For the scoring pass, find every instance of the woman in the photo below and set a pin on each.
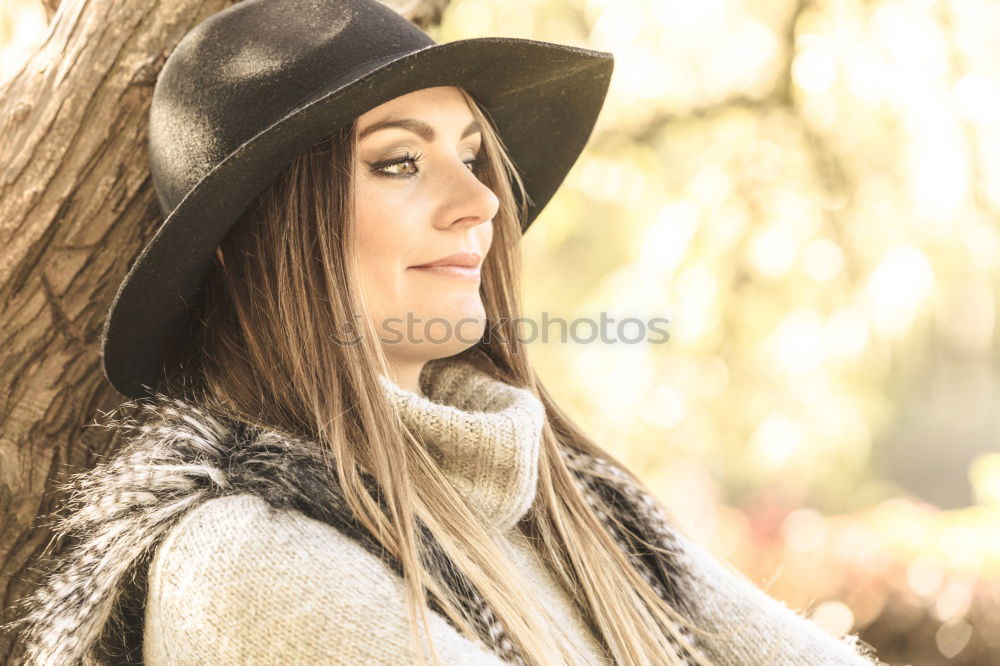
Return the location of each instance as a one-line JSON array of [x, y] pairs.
[[340, 452]]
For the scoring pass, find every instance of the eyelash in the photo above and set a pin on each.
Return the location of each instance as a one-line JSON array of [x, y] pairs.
[[416, 159]]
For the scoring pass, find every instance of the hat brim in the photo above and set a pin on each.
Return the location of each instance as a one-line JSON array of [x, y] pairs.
[[544, 98]]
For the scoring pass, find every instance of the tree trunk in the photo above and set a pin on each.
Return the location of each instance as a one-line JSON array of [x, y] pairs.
[[76, 206]]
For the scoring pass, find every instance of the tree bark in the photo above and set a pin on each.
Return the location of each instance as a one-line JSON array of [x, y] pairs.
[[76, 206]]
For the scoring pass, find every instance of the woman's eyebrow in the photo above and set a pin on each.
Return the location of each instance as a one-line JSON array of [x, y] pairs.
[[418, 127]]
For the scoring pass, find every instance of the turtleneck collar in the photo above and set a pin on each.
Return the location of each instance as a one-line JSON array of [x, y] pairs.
[[485, 434]]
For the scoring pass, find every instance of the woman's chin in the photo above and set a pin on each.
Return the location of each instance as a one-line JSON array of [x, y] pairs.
[[464, 329], [459, 322]]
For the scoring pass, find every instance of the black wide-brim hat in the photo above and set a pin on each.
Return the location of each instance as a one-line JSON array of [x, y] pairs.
[[252, 87]]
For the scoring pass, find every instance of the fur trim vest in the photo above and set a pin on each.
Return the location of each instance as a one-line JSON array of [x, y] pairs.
[[177, 456]]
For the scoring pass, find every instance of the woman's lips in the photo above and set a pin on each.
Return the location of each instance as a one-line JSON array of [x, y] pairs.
[[444, 270]]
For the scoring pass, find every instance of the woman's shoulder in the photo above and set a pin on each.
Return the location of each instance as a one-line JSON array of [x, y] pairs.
[[242, 535], [754, 626], [238, 581], [750, 626]]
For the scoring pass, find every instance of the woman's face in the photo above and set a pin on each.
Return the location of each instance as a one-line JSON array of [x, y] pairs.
[[419, 199]]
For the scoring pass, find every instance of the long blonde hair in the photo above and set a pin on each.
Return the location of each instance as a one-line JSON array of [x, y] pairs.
[[259, 350]]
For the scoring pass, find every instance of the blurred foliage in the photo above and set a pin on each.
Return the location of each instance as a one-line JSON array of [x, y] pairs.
[[809, 191], [22, 26]]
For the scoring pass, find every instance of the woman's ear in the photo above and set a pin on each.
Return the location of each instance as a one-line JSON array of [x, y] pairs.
[[218, 253]]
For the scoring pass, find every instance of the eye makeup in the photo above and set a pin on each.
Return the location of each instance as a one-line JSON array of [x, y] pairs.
[[416, 159]]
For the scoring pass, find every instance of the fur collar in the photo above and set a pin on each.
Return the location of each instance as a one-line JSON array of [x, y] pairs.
[[89, 608]]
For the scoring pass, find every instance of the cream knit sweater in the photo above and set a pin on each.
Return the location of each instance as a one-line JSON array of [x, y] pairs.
[[238, 582]]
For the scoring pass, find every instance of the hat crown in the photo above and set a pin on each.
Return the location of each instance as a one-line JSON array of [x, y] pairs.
[[241, 70]]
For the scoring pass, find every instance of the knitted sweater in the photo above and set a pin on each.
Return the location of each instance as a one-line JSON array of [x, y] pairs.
[[235, 580], [324, 598], [232, 565]]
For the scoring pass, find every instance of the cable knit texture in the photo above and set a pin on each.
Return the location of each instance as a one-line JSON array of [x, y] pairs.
[[256, 560], [484, 434]]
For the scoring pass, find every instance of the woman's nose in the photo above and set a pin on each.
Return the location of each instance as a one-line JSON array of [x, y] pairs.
[[471, 199]]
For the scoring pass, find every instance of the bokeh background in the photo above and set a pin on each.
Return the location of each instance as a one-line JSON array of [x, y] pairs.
[[810, 192]]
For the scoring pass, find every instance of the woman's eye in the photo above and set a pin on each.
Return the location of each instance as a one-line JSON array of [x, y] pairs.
[[473, 164], [405, 159]]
